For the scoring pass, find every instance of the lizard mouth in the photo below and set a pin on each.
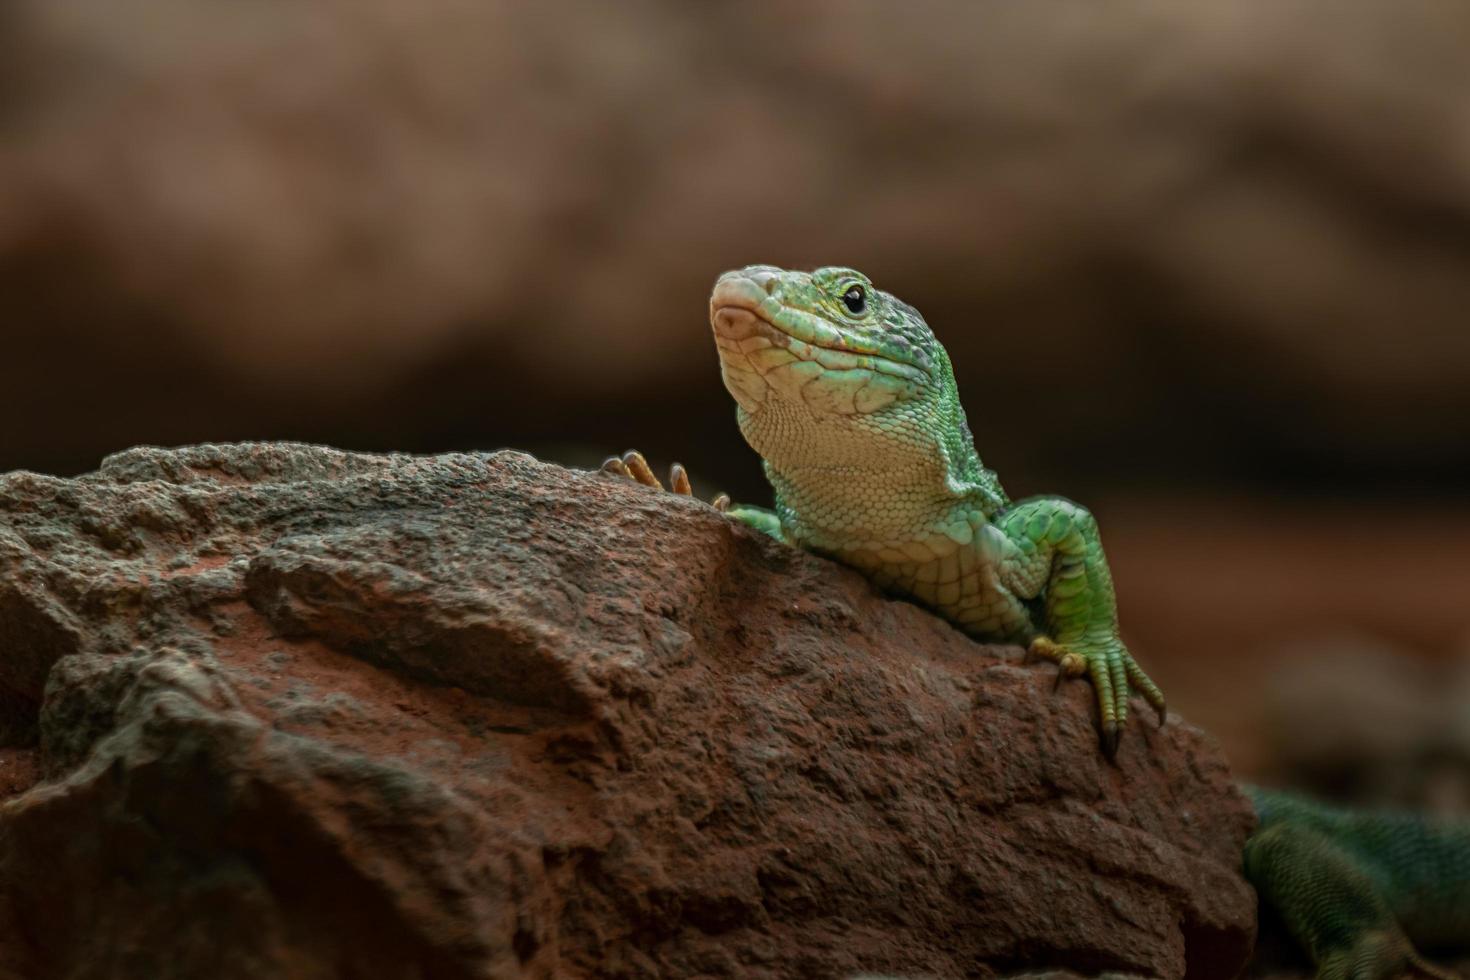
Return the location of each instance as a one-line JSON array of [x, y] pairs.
[[746, 319]]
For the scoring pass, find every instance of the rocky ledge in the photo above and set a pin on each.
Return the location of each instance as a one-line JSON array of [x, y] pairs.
[[276, 710]]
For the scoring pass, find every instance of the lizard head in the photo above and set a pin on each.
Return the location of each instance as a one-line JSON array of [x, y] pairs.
[[822, 364], [826, 339]]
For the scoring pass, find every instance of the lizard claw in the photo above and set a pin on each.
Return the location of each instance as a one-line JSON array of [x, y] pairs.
[[679, 481], [639, 469], [633, 465], [1114, 674], [615, 466]]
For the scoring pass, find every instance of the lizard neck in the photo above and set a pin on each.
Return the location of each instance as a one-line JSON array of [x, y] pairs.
[[842, 475], [847, 507], [847, 483], [863, 484]]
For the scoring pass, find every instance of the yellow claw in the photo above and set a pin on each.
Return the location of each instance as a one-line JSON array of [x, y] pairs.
[[639, 469], [633, 465]]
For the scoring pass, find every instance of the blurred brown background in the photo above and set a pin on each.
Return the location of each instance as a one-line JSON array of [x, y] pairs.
[[1205, 267]]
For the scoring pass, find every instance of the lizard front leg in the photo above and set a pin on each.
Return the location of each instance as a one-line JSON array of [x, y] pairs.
[[1051, 550], [633, 466]]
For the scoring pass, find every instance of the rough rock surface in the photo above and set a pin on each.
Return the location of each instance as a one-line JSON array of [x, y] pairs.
[[277, 710]]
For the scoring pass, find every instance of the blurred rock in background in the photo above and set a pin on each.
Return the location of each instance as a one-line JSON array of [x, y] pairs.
[[1178, 252], [1351, 718]]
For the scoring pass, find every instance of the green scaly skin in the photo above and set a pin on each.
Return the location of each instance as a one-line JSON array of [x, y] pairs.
[[851, 402], [1359, 889]]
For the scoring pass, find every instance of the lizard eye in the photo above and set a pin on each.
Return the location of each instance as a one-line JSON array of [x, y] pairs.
[[855, 299]]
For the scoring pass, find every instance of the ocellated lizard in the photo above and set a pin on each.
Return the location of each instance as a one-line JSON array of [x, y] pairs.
[[851, 402]]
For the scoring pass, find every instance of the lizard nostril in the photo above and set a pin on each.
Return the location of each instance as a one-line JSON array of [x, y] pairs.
[[767, 277]]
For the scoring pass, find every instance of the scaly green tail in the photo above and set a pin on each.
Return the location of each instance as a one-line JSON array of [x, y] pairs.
[[1359, 890]]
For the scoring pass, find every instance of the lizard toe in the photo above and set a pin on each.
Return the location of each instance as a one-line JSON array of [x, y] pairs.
[[1144, 685], [1115, 676], [633, 465], [615, 466], [639, 469]]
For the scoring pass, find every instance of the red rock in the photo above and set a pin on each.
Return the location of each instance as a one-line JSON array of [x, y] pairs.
[[314, 714]]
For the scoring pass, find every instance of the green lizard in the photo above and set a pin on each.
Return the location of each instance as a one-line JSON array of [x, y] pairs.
[[851, 402]]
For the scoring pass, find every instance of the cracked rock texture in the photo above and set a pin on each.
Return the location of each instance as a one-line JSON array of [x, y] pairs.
[[274, 710]]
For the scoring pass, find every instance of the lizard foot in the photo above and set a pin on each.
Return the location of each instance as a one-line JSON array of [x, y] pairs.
[[1306, 865], [1114, 675], [634, 466], [1380, 955]]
